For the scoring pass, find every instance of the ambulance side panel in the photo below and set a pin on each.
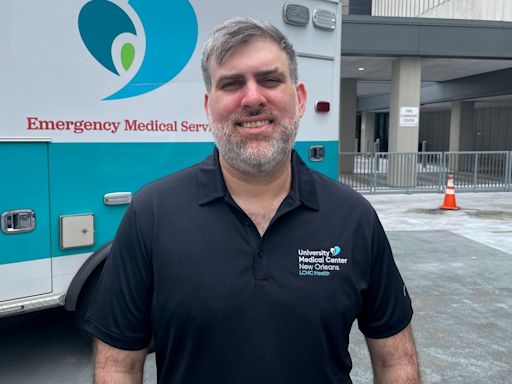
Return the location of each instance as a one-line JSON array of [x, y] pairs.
[[89, 112]]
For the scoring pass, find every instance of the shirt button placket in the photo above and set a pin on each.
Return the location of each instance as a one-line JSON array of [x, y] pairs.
[[260, 270]]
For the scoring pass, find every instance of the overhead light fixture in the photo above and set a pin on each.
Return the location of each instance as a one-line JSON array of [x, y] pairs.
[[360, 69]]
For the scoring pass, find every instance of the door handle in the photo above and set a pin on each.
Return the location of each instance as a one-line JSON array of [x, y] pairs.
[[18, 221]]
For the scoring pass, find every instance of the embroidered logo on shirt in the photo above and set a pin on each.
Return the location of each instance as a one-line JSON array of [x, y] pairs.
[[335, 250], [320, 262]]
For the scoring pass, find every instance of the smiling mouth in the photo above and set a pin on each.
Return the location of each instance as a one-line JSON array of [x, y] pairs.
[[254, 124]]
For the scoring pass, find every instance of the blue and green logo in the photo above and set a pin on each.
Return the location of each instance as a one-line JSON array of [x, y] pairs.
[[169, 33], [336, 250]]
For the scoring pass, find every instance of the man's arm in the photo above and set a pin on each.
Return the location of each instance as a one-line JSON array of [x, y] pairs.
[[394, 359], [117, 366]]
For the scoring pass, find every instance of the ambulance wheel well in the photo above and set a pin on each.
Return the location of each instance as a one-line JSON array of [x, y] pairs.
[[87, 274]]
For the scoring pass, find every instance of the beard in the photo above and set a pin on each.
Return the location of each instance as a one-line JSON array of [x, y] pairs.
[[256, 154]]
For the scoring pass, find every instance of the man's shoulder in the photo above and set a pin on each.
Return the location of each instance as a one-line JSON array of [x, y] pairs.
[[335, 192], [324, 192], [170, 186], [335, 189]]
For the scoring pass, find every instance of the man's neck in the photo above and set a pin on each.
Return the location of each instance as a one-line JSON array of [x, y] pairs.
[[258, 194], [265, 185]]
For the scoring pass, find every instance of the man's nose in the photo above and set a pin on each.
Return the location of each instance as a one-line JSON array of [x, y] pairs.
[[254, 95]]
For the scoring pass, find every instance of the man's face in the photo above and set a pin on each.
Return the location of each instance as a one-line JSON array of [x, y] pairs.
[[253, 106]]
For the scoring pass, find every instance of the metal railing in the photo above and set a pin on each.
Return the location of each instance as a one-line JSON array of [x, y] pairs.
[[413, 172]]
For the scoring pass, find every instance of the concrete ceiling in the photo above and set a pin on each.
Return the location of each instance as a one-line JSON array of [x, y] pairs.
[[375, 78], [442, 69], [450, 50]]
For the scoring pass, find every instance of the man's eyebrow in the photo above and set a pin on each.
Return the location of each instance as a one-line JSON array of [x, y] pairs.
[[260, 74], [271, 72], [229, 77], [233, 76]]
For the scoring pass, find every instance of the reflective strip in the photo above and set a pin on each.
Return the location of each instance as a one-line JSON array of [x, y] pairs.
[[31, 304]]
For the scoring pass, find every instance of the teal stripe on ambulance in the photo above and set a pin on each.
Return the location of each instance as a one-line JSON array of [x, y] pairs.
[[24, 185], [80, 174], [329, 166]]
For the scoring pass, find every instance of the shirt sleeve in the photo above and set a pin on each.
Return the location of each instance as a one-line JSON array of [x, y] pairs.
[[387, 306], [120, 315]]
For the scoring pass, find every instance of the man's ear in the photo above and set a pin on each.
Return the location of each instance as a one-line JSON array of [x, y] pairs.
[[302, 96], [206, 101]]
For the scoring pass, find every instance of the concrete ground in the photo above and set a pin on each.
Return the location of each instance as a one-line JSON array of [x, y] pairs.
[[483, 217], [457, 266]]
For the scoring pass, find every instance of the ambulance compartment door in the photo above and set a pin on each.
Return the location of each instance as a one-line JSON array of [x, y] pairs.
[[25, 263]]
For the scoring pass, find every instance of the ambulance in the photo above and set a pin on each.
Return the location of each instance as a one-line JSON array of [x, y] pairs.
[[100, 97]]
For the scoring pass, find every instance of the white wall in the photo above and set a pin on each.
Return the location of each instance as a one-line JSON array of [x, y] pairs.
[[499, 10]]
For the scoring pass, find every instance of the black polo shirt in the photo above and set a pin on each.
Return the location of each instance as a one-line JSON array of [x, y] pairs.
[[228, 306]]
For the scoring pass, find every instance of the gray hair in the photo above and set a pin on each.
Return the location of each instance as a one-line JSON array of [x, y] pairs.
[[236, 32]]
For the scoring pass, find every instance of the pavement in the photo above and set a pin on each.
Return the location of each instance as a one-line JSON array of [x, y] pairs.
[[485, 217], [457, 266]]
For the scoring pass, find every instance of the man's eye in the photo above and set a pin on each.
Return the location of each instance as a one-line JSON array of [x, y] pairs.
[[271, 82], [231, 85]]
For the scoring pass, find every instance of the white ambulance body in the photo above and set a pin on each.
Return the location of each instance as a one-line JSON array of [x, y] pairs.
[[98, 98]]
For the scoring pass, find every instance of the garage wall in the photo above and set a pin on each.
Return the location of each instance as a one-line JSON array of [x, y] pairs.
[[492, 130], [435, 129]]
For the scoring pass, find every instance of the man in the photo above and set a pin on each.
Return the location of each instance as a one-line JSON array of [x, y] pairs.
[[250, 267]]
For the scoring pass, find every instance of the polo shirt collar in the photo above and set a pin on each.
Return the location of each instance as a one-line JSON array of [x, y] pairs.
[[303, 187], [211, 184]]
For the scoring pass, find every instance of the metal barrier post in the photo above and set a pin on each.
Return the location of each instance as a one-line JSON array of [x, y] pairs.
[[442, 174], [440, 169], [374, 171], [508, 172], [408, 171], [376, 149], [423, 156], [475, 179]]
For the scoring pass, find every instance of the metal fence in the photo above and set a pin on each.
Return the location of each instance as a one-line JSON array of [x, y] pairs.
[[412, 172]]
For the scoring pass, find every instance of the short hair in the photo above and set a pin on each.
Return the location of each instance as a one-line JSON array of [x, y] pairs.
[[238, 31]]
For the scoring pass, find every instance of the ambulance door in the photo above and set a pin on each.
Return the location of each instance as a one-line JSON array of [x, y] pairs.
[[25, 263]]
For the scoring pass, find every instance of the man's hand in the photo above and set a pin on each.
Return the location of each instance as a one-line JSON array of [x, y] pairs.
[[394, 359], [112, 365]]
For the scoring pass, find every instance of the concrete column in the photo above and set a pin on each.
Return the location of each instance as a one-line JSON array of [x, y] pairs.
[[405, 93], [348, 102], [404, 120], [462, 120], [367, 131]]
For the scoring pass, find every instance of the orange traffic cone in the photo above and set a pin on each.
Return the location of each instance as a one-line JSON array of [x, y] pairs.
[[449, 196]]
